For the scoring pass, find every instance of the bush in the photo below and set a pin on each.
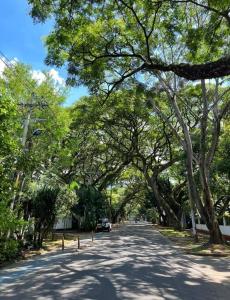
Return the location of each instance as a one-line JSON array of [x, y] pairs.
[[44, 213], [9, 249], [10, 224], [91, 205], [152, 215]]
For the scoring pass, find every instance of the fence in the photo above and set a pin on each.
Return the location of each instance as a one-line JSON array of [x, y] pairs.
[[225, 227], [65, 223]]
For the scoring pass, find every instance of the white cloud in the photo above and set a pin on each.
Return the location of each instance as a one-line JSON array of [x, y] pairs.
[[40, 76], [37, 75], [2, 67], [56, 77], [4, 63], [14, 61]]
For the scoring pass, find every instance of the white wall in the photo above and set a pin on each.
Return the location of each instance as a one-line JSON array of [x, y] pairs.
[[224, 229], [65, 223]]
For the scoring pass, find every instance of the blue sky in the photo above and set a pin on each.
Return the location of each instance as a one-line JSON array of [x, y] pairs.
[[22, 39]]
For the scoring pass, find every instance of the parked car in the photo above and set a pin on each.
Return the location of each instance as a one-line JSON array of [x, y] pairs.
[[103, 224]]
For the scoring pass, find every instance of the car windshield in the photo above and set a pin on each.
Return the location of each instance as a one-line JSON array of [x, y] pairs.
[[104, 220]]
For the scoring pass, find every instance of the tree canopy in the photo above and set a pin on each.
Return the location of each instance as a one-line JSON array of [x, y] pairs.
[[102, 43], [152, 138]]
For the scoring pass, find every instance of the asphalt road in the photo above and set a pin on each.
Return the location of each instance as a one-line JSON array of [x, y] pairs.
[[133, 262]]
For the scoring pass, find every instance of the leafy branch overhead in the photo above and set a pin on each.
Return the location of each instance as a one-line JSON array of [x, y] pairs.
[[105, 42]]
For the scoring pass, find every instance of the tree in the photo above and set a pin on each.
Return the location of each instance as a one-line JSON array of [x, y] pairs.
[[38, 108], [155, 142], [128, 190], [44, 212], [106, 42], [199, 135], [91, 206], [127, 133], [132, 126], [133, 39], [89, 159], [9, 144], [27, 109], [220, 183]]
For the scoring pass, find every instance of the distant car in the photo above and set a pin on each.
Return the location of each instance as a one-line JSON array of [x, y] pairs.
[[103, 224]]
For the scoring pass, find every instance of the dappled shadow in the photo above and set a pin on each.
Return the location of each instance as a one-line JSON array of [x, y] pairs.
[[134, 262]]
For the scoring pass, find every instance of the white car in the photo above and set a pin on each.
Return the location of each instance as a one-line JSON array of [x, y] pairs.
[[103, 224]]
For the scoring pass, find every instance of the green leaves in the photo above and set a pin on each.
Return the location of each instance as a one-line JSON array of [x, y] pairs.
[[73, 186], [101, 42]]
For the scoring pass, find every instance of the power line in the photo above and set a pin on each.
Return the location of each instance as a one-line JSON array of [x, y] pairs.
[[10, 66], [40, 104], [27, 83]]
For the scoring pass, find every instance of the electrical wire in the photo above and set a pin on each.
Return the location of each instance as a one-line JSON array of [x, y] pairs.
[[27, 83], [43, 104]]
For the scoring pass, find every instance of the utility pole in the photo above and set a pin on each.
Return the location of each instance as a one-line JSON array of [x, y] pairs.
[[31, 105], [24, 138], [26, 128], [28, 119], [26, 125]]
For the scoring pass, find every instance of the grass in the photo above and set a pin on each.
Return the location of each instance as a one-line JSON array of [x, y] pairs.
[[55, 243], [184, 240]]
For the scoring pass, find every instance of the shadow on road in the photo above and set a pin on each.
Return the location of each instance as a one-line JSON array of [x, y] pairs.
[[134, 262]]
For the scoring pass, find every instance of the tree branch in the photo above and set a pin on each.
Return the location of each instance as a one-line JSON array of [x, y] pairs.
[[218, 68]]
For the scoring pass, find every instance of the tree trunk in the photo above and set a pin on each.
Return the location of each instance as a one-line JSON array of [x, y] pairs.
[[120, 209], [204, 167], [214, 231], [211, 220], [206, 210], [173, 219]]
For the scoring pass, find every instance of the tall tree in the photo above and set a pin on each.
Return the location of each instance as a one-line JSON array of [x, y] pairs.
[[198, 110], [105, 42], [9, 144], [43, 122], [129, 133]]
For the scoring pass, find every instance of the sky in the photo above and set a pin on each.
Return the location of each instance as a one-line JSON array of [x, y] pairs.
[[21, 39]]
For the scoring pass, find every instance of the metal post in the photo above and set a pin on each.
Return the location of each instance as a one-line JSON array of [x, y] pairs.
[[92, 236], [63, 242], [78, 242], [194, 225], [26, 128], [110, 203]]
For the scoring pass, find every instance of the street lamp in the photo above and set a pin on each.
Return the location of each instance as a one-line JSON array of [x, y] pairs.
[[37, 132]]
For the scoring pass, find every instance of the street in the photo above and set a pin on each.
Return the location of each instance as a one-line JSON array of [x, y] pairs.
[[132, 262]]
